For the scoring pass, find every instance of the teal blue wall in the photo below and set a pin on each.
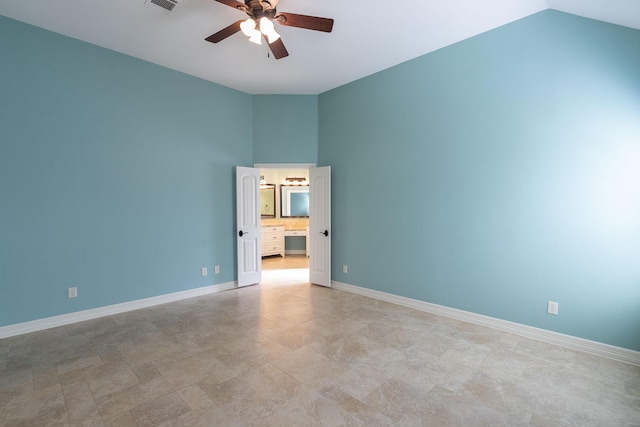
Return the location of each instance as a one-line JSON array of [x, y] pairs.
[[295, 243], [285, 128], [496, 174], [116, 176]]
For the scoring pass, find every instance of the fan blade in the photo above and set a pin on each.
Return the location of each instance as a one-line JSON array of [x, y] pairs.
[[278, 49], [224, 33], [233, 3], [304, 21]]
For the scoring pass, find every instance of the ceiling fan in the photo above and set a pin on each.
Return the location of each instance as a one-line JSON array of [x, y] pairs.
[[262, 14]]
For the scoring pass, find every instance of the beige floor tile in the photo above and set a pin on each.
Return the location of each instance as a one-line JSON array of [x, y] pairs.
[[312, 368], [505, 398], [110, 378], [162, 410], [80, 402], [395, 398], [117, 403], [92, 420], [152, 350], [42, 407], [257, 392], [263, 350], [311, 408], [17, 371], [123, 420], [181, 372], [145, 371], [359, 383], [45, 376]]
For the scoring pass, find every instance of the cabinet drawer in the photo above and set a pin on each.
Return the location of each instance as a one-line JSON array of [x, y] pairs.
[[271, 247]]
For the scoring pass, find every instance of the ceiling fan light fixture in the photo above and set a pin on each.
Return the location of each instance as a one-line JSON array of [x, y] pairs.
[[273, 37], [268, 29], [248, 27], [256, 37], [264, 12]]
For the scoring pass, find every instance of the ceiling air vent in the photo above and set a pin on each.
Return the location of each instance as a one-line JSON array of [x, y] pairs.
[[167, 5]]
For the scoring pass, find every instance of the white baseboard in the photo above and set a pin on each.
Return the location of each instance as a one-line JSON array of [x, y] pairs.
[[94, 313], [580, 344], [295, 252]]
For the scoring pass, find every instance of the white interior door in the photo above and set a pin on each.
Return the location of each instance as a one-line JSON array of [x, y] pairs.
[[320, 226], [248, 231]]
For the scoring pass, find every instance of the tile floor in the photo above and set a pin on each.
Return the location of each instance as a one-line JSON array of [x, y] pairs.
[[286, 353]]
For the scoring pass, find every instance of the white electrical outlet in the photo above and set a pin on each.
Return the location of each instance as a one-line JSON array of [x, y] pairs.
[[204, 271], [216, 269], [552, 307], [72, 292], [345, 269]]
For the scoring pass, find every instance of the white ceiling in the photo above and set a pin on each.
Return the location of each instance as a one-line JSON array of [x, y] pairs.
[[368, 36]]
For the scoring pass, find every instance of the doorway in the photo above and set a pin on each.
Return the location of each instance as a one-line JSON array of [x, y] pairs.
[[283, 204], [251, 246]]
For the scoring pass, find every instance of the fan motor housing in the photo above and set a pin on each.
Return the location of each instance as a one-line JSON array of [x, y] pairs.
[[271, 4], [259, 8]]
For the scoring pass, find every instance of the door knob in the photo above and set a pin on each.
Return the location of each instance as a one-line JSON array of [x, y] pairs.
[[325, 232], [242, 233]]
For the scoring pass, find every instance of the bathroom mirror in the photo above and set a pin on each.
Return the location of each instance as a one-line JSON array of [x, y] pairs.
[[294, 201], [268, 201]]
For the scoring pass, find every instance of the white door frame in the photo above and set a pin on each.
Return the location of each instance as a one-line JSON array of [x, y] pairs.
[[284, 165]]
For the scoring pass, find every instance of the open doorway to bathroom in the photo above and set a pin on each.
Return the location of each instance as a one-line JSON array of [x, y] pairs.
[[284, 198]]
